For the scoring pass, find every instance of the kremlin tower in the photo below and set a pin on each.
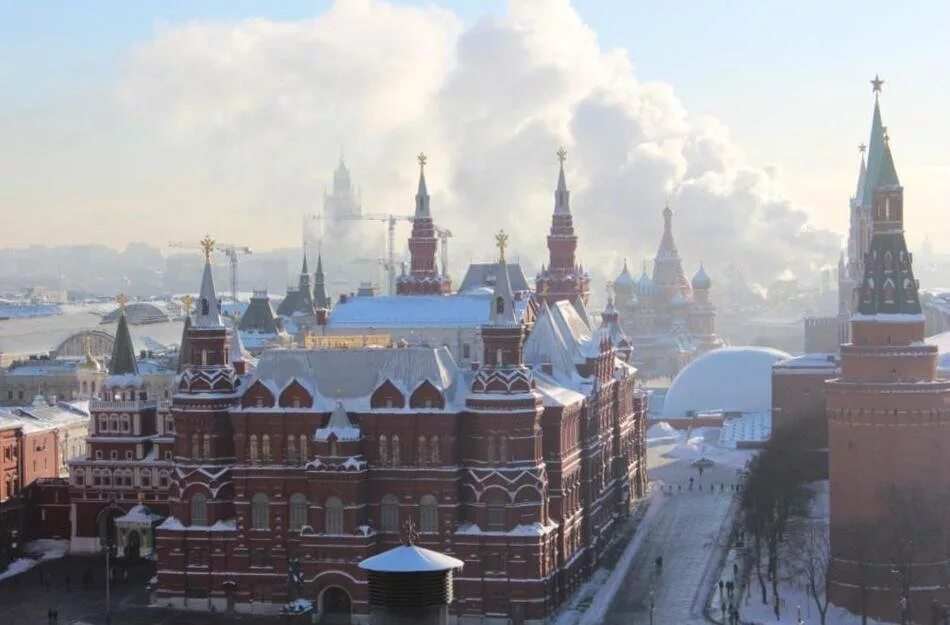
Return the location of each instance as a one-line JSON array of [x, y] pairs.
[[424, 277], [888, 424], [563, 278]]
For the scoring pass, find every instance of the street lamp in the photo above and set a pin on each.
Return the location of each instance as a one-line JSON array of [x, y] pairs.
[[652, 605]]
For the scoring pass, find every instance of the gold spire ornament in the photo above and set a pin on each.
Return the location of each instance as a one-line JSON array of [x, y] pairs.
[[501, 240], [422, 158], [186, 301], [122, 299], [561, 154], [207, 245], [862, 148]]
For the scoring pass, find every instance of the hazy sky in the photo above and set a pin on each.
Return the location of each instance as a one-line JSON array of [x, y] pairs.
[[162, 120]]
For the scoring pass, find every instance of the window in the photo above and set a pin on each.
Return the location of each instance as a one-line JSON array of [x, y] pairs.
[[428, 514], [146, 479], [503, 448], [114, 454], [298, 511], [334, 516], [128, 454], [291, 455], [98, 454], [421, 456], [163, 479], [207, 446], [195, 446], [265, 447], [466, 351], [106, 478], [383, 449], [491, 449], [103, 423], [303, 448], [395, 449], [168, 455], [252, 448], [80, 477], [260, 512], [199, 509], [434, 447], [389, 514]]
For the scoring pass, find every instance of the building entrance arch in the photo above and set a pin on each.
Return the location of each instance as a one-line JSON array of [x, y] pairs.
[[335, 606]]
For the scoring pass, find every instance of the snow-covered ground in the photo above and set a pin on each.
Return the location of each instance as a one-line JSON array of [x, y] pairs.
[[36, 551]]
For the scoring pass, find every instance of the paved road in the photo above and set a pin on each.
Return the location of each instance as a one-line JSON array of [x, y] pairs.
[[685, 531]]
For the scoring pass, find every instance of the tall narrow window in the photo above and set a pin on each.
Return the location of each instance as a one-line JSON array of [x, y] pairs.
[[334, 516], [490, 452], [436, 453], [304, 452], [207, 445], [195, 446], [199, 509], [389, 514], [503, 448], [428, 514], [333, 449], [265, 447], [260, 512], [291, 455], [496, 517], [298, 511], [252, 448], [395, 450], [421, 456], [383, 449]]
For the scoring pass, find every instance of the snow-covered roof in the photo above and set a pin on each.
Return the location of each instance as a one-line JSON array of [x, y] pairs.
[[731, 379], [417, 311], [808, 362], [339, 426], [942, 341], [410, 559], [351, 375], [139, 514], [482, 275]]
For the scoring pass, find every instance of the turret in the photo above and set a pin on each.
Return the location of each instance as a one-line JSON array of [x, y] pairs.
[[320, 297], [424, 277]]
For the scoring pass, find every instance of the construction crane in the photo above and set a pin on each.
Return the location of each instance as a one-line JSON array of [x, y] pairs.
[[230, 250]]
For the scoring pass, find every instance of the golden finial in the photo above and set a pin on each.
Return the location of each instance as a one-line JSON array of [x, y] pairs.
[[422, 159], [207, 244], [561, 155], [501, 240], [862, 148], [186, 301], [121, 299]]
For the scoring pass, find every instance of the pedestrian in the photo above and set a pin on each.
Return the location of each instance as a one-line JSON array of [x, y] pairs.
[[56, 617], [735, 565], [49, 616]]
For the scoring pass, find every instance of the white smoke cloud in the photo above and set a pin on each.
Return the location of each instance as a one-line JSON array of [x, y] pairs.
[[257, 111]]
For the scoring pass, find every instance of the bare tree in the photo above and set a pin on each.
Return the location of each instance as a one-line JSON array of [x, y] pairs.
[[812, 563]]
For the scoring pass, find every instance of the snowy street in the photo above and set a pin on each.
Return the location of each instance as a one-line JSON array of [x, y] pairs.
[[685, 532]]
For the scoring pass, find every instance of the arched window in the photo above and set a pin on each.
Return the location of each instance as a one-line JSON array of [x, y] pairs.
[[421, 456], [499, 305], [304, 452], [383, 449], [204, 305], [265, 447], [395, 450], [428, 514], [334, 516], [333, 449], [436, 453], [204, 357], [389, 514], [496, 520], [207, 445], [291, 455], [260, 512], [298, 511], [252, 448], [503, 448], [195, 446], [199, 509]]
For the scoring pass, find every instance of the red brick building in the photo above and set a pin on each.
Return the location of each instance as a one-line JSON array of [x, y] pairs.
[[798, 395], [128, 455], [889, 430], [519, 465], [424, 278]]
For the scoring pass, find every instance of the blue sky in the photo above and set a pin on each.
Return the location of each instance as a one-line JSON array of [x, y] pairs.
[[789, 79]]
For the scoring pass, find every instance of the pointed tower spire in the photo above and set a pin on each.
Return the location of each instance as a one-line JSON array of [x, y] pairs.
[[502, 307], [562, 197], [422, 194], [208, 314], [668, 272], [320, 297], [304, 269], [123, 353], [875, 148]]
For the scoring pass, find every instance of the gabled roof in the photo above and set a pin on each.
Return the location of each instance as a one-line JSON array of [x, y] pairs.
[[410, 559], [259, 316], [339, 425], [483, 275]]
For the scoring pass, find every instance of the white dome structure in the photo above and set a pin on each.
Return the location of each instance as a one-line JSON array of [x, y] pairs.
[[733, 379]]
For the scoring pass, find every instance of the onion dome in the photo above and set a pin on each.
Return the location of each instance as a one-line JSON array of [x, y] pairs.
[[645, 286], [625, 282], [701, 280]]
